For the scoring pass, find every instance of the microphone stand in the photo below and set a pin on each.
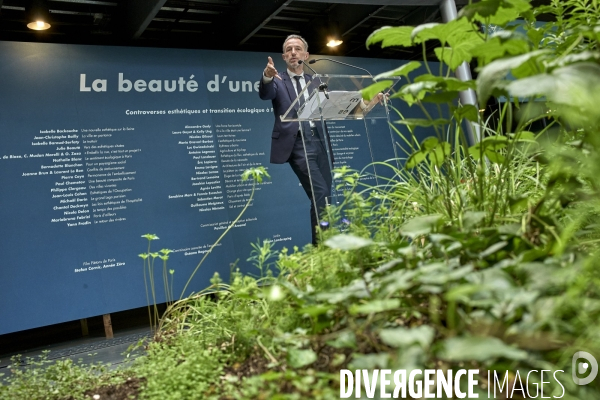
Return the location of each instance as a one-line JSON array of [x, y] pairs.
[[322, 85], [339, 62], [343, 63]]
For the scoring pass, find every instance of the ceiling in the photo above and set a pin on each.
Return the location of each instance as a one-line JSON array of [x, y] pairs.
[[244, 25]]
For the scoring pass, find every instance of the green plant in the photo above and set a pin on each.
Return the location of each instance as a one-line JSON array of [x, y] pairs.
[[261, 256], [148, 268], [41, 378]]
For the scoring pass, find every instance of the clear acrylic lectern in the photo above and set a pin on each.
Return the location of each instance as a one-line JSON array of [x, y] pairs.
[[338, 98]]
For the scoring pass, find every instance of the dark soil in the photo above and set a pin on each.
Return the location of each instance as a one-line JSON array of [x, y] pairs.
[[256, 364]]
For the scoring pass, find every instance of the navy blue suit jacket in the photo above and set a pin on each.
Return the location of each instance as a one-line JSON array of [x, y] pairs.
[[282, 94]]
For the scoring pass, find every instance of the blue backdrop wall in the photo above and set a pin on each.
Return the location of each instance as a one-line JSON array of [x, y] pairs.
[[100, 145]]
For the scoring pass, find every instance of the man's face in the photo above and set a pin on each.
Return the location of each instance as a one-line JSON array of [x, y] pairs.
[[294, 51]]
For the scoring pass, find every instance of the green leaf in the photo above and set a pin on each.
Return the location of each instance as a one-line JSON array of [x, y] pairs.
[[454, 56], [447, 83], [388, 265], [403, 337], [490, 147], [455, 84], [518, 203], [271, 376], [575, 58], [496, 48], [415, 159], [440, 238], [316, 310], [473, 218], [467, 111], [421, 225], [411, 358], [344, 340], [441, 97], [429, 143], [398, 280], [478, 349], [391, 36], [530, 67], [523, 136], [374, 306], [369, 361], [372, 90], [439, 274], [492, 74], [492, 249], [579, 104], [422, 122], [402, 71], [461, 293], [439, 153], [496, 141], [476, 151], [256, 174], [533, 254], [533, 86], [535, 36], [506, 15], [297, 358], [356, 289], [347, 242], [462, 32], [483, 9], [413, 92], [497, 12], [456, 33], [494, 156], [431, 30]]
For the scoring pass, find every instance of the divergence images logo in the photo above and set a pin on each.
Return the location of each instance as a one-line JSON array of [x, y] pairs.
[[582, 367]]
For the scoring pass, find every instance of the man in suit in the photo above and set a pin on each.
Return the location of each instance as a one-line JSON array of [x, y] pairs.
[[308, 158]]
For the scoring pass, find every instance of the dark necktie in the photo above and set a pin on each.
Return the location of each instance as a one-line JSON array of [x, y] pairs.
[[306, 126], [299, 89]]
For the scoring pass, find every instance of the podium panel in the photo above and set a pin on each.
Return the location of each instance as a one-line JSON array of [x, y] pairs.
[[328, 98]]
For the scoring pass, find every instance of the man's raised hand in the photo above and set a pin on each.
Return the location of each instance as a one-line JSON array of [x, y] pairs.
[[270, 70]]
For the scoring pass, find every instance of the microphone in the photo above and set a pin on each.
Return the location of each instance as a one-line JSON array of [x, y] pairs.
[[322, 86], [302, 62], [349, 65], [339, 62]]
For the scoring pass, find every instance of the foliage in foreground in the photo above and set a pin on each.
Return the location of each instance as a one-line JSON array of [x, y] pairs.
[[58, 379], [472, 256]]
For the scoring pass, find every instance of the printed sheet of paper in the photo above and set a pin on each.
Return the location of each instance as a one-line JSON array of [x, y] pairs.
[[339, 105]]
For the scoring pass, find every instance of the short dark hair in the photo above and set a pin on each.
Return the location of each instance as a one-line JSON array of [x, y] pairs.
[[295, 37]]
